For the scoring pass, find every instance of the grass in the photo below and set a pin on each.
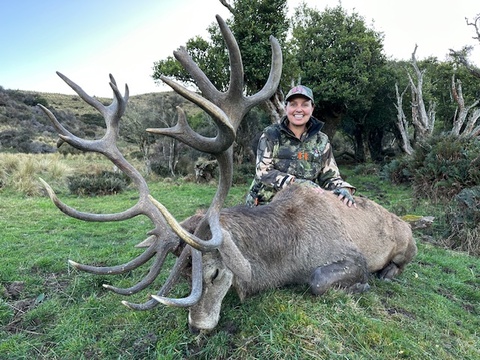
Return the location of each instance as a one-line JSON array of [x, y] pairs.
[[51, 311]]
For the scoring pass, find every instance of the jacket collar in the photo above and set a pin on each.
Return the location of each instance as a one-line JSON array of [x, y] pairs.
[[313, 126]]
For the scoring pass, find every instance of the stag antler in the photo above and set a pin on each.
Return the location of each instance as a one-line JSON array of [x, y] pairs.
[[227, 110], [231, 107]]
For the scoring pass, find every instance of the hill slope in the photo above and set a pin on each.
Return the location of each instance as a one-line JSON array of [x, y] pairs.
[[25, 128]]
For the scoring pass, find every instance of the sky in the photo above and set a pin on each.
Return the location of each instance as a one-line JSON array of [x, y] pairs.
[[87, 40]]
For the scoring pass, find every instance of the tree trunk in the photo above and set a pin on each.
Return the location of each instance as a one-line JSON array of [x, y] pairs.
[[360, 149], [275, 106], [401, 123], [332, 123], [462, 112], [423, 121]]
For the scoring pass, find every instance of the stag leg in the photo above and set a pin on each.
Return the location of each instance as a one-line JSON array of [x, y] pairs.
[[350, 274], [389, 271]]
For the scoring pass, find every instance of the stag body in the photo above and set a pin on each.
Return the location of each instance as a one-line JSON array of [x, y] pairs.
[[302, 237]]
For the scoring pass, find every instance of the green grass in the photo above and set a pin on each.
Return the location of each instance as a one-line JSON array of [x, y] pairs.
[[431, 311]]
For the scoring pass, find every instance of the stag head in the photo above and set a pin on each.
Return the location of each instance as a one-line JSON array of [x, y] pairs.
[[202, 242]]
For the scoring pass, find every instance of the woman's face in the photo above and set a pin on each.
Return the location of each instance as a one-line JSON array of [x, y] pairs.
[[299, 110]]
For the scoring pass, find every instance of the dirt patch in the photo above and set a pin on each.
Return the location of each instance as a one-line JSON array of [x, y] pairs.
[[399, 311], [13, 290]]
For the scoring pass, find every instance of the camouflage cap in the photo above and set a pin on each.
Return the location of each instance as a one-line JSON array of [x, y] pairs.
[[300, 90]]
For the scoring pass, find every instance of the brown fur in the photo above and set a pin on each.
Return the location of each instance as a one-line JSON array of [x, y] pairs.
[[298, 236]]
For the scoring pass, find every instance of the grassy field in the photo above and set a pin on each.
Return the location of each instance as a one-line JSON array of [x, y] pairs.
[[49, 310]]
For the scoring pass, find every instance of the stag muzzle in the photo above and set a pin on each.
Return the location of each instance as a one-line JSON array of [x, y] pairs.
[[217, 280]]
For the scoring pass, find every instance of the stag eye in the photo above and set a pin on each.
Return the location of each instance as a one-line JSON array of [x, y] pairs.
[[215, 275]]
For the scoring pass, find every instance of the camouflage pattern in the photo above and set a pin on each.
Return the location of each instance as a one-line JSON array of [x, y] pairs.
[[282, 158]]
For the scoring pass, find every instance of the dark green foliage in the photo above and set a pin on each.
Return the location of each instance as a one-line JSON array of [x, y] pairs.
[[93, 119], [463, 216], [28, 98], [439, 168], [445, 165], [398, 170], [22, 141], [104, 183], [160, 168], [243, 173], [446, 170]]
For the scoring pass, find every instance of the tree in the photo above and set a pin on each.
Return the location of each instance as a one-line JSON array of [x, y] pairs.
[[462, 55], [161, 112], [342, 60], [253, 22]]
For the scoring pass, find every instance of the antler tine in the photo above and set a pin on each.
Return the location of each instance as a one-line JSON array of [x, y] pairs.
[[174, 276], [153, 272], [119, 269], [197, 283], [183, 132], [68, 210], [235, 88]]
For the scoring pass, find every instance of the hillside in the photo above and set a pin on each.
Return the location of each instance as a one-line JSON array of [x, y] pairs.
[[25, 128]]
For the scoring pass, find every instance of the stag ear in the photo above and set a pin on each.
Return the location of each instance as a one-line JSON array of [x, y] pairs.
[[234, 259]]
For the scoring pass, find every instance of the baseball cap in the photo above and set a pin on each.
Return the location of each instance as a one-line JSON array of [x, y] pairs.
[[300, 90]]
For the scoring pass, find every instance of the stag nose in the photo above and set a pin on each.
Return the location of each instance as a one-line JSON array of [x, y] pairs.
[[197, 331], [194, 330]]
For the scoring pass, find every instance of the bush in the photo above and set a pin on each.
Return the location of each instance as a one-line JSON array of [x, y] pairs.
[[444, 166], [103, 183], [243, 173], [439, 168], [446, 170], [398, 171], [463, 217]]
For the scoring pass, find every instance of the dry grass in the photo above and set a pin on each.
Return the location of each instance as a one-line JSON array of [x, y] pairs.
[[20, 172]]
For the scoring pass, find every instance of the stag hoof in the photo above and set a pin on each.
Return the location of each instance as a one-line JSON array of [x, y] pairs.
[[344, 274], [389, 272], [358, 288]]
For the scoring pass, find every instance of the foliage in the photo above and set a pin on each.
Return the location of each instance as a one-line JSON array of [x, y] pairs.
[[339, 56], [27, 97], [445, 165], [252, 24], [463, 216], [398, 171], [342, 60], [51, 311], [103, 183], [446, 169]]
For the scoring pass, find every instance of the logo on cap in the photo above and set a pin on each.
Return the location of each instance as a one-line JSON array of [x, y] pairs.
[[300, 90]]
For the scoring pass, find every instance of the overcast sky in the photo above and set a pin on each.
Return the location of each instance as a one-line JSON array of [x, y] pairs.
[[88, 39]]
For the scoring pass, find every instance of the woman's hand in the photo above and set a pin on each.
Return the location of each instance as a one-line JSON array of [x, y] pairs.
[[345, 195]]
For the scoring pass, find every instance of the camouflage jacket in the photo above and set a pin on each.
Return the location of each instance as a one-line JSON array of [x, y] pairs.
[[282, 157]]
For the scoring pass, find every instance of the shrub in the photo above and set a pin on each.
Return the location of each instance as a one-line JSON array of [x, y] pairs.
[[463, 216], [243, 173], [439, 168], [444, 166], [103, 183], [398, 171]]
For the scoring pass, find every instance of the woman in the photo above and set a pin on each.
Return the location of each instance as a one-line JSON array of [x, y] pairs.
[[295, 150]]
